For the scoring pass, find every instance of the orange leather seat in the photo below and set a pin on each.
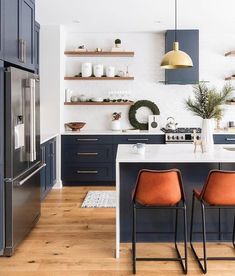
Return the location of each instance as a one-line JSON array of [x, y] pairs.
[[159, 188], [219, 188]]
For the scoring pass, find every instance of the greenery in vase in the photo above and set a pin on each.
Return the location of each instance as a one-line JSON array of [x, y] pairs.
[[208, 101]]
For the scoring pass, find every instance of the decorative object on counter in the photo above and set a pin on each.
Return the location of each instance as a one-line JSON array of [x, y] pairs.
[[75, 126], [171, 124], [116, 122], [153, 124], [139, 148], [176, 59], [133, 110], [81, 48], [98, 50], [98, 70], [82, 98], [68, 95], [86, 70], [74, 99], [208, 105], [118, 46], [97, 99], [197, 142], [118, 43], [110, 71]]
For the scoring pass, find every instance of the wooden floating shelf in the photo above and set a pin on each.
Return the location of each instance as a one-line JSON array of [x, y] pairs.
[[99, 79], [231, 53], [99, 103], [230, 78], [99, 54]]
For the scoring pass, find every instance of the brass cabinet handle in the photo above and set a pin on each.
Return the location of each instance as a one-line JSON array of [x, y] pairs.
[[87, 153], [138, 139], [88, 139], [87, 172]]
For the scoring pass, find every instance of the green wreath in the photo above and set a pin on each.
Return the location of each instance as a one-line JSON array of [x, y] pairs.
[[133, 109]]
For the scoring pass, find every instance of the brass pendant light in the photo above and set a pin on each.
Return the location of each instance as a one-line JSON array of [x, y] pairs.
[[176, 59]]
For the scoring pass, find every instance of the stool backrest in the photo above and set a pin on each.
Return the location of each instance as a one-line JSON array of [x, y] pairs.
[[163, 188], [219, 188]]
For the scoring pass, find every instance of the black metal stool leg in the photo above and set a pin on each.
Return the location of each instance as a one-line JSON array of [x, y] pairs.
[[204, 269], [204, 237], [134, 239], [185, 241], [234, 232], [219, 224]]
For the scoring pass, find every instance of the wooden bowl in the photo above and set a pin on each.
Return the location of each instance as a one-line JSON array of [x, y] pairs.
[[75, 126]]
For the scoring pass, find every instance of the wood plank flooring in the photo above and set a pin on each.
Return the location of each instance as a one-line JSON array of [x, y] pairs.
[[71, 241]]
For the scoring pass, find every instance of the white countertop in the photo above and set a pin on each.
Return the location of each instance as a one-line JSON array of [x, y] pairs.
[[110, 132], [46, 137], [224, 131], [179, 153]]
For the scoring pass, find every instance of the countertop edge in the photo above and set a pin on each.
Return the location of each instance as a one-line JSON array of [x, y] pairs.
[[46, 138]]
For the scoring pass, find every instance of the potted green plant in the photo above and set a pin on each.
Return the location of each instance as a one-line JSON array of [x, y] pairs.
[[208, 104]]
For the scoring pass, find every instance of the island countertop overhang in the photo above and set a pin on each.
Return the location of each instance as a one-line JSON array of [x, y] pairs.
[[172, 153]]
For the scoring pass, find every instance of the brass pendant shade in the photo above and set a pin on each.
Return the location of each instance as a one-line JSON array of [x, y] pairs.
[[176, 59]]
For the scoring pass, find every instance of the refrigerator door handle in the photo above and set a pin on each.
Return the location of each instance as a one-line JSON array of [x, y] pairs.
[[30, 84], [20, 183]]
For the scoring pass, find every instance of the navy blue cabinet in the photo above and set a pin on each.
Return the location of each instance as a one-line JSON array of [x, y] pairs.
[[1, 29], [188, 42], [19, 32], [1, 155], [90, 159], [26, 31], [224, 139], [48, 173], [36, 47]]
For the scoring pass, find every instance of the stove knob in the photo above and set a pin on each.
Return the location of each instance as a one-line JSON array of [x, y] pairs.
[[182, 137], [168, 137], [198, 137], [177, 137], [173, 137]]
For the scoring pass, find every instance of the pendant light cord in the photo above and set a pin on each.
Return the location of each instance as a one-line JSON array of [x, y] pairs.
[[176, 19]]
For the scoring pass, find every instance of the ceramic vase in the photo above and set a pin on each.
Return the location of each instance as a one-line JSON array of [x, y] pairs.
[[116, 125], [207, 135], [86, 70]]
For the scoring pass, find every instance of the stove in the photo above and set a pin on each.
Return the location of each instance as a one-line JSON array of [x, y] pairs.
[[181, 135]]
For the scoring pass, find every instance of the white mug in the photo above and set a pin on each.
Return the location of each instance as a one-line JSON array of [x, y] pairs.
[[86, 70], [110, 71], [98, 70], [139, 148]]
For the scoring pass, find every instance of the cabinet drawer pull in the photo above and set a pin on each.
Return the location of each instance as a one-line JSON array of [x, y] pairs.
[[87, 153], [230, 139], [88, 139], [87, 172], [140, 139]]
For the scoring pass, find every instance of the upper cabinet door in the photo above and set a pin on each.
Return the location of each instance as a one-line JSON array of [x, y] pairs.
[[13, 47], [1, 29], [26, 32], [36, 47], [189, 43]]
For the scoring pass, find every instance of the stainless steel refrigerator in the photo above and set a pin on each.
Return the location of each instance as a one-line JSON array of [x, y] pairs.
[[22, 163]]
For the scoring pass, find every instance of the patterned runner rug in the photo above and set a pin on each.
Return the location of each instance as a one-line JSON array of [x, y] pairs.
[[100, 199]]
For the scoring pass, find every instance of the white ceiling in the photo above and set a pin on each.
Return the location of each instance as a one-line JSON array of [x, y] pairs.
[[137, 16]]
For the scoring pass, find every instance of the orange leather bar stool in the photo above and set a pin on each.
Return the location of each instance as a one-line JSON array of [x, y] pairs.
[[160, 190], [217, 193]]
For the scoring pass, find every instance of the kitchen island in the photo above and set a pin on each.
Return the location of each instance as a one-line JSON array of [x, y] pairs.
[[194, 168]]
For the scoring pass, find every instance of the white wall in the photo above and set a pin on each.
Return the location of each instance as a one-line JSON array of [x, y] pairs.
[[149, 49]]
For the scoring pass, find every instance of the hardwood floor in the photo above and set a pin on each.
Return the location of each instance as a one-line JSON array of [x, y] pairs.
[[72, 241]]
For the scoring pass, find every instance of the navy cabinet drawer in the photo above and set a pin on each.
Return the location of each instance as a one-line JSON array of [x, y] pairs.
[[224, 139], [133, 139], [87, 172], [87, 153], [86, 139]]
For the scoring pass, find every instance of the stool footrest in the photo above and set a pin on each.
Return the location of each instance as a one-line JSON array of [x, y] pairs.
[[160, 259]]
